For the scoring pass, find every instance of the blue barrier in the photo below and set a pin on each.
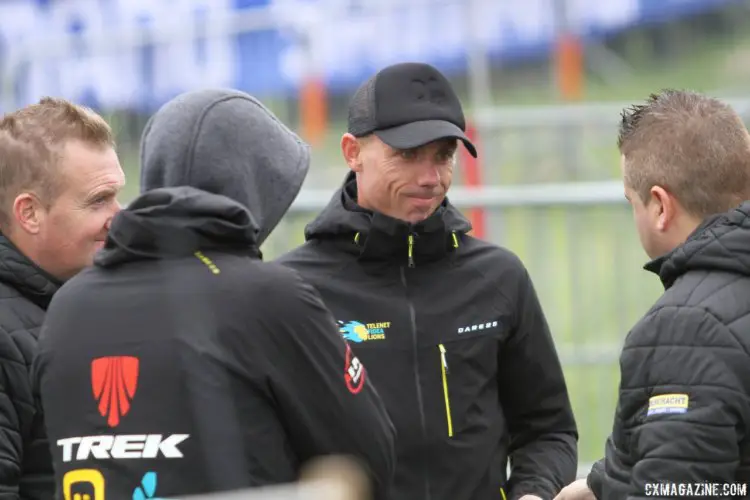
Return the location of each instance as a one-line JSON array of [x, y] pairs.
[[348, 39]]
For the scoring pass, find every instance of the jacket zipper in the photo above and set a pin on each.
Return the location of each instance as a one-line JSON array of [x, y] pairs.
[[445, 371], [420, 401], [410, 251]]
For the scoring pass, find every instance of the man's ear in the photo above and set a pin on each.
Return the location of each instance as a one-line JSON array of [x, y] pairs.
[[28, 212], [351, 149], [664, 207]]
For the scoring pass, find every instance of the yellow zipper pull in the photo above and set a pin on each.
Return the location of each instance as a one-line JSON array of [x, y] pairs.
[[411, 250], [444, 373], [442, 357]]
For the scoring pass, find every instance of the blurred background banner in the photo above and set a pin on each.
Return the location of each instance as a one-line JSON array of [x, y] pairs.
[[112, 53], [543, 83]]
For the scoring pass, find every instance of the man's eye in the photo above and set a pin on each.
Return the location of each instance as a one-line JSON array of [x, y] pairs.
[[445, 157], [408, 154]]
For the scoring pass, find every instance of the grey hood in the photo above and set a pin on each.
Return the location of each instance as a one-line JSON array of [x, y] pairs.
[[227, 143]]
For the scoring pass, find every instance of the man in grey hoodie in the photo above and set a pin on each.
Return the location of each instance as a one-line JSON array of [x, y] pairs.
[[180, 363]]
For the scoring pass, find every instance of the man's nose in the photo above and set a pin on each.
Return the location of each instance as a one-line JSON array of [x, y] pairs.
[[117, 208], [429, 175]]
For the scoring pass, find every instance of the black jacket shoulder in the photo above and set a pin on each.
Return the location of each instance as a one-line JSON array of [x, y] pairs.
[[685, 371], [500, 268], [235, 362], [25, 462]]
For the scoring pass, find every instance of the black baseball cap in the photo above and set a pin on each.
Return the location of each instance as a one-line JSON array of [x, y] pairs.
[[408, 105]]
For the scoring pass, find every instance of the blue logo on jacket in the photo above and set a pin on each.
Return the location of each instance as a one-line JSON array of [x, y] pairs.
[[355, 331], [147, 489]]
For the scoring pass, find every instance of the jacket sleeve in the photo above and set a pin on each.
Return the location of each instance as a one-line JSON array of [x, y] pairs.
[[594, 479], [691, 381], [38, 480], [534, 398], [11, 442], [325, 396]]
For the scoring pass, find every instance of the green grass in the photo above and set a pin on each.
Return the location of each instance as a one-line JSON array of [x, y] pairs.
[[585, 261]]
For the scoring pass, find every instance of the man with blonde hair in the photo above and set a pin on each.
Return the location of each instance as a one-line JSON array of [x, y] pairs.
[[684, 402], [59, 177]]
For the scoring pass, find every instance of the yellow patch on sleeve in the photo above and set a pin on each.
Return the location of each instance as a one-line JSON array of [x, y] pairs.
[[668, 403]]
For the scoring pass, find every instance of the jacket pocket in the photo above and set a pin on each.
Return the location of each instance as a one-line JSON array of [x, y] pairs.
[[445, 372]]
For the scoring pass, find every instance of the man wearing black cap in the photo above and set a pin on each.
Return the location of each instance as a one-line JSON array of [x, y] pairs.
[[449, 326]]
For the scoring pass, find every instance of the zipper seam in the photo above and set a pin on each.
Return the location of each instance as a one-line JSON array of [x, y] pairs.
[[446, 393], [417, 379], [410, 251]]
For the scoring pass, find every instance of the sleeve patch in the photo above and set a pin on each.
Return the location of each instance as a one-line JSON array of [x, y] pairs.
[[354, 372], [668, 403]]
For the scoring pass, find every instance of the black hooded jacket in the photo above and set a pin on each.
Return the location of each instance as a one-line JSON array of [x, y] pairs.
[[684, 404], [456, 343], [181, 363], [25, 293]]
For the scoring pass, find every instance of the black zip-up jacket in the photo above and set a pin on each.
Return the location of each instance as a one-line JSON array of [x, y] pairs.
[[684, 402], [180, 353], [456, 343], [25, 293], [228, 372]]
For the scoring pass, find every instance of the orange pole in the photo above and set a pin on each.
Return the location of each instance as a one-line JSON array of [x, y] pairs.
[[473, 178], [569, 67], [313, 104]]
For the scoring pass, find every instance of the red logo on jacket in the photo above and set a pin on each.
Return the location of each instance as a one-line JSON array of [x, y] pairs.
[[114, 380], [354, 372]]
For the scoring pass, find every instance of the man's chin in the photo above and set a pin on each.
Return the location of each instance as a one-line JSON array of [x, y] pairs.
[[99, 245], [417, 216]]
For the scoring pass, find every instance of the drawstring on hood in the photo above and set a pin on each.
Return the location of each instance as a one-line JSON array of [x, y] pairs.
[[411, 244], [411, 249], [216, 166], [378, 237]]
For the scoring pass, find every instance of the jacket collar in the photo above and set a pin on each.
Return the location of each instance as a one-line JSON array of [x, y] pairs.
[[374, 236], [720, 243], [20, 273]]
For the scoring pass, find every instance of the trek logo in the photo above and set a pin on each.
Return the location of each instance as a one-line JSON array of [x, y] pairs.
[[89, 480], [114, 380], [123, 446], [354, 331], [480, 326], [354, 372]]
